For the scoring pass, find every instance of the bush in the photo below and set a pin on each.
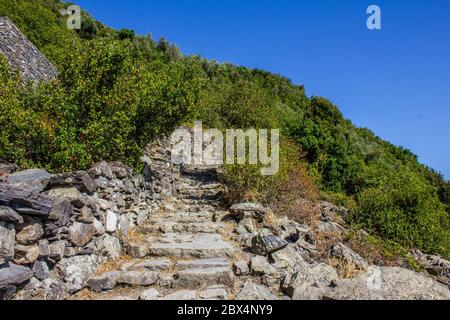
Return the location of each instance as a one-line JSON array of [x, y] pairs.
[[407, 210]]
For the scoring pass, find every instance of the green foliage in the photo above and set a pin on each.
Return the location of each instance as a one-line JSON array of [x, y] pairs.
[[407, 209]]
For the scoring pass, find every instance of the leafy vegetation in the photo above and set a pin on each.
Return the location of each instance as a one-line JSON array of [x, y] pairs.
[[116, 91]]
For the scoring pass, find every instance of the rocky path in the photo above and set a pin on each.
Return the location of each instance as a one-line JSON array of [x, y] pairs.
[[183, 251]]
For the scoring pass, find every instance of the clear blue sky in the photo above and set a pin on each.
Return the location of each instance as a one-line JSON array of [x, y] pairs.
[[395, 81]]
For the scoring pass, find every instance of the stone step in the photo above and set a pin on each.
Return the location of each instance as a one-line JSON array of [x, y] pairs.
[[184, 216], [194, 194], [194, 185], [202, 264], [211, 293], [181, 227], [201, 246], [202, 278]]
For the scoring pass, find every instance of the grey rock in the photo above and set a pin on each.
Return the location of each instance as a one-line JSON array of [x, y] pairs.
[[80, 180], [80, 233], [254, 292], [264, 245], [149, 295], [286, 258], [241, 268], [344, 253], [7, 242], [152, 265], [9, 215], [102, 169], [111, 221], [77, 270], [214, 293], [255, 210], [33, 179], [181, 295], [108, 246], [23, 56], [309, 281], [44, 250], [7, 168], [99, 228], [203, 264], [57, 250], [53, 290], [138, 278], [41, 270], [14, 275], [104, 282], [260, 266], [388, 284], [25, 201], [137, 250], [198, 278], [70, 194]]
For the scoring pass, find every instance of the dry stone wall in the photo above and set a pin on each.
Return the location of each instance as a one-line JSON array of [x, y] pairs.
[[22, 55]]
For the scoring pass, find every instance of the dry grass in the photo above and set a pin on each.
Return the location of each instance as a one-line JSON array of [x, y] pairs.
[[345, 269], [113, 265]]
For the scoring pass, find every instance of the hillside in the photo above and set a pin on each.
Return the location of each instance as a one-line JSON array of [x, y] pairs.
[[116, 92]]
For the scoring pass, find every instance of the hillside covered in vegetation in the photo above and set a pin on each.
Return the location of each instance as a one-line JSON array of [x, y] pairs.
[[117, 91]]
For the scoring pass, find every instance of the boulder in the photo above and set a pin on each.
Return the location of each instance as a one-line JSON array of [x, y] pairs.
[[267, 244], [344, 253], [388, 284], [14, 275], [80, 180], [253, 292], [7, 242], [80, 234], [35, 180], [308, 282], [9, 215], [76, 271]]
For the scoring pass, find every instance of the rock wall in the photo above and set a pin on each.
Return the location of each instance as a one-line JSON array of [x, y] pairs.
[[56, 230], [22, 55]]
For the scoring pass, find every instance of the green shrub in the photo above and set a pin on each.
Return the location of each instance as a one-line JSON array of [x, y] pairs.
[[407, 210]]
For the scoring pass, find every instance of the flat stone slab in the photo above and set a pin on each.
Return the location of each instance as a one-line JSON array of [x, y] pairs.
[[200, 278], [182, 295], [202, 246], [151, 265], [14, 275], [202, 264]]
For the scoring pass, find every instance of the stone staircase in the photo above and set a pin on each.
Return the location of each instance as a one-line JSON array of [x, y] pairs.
[[181, 252]]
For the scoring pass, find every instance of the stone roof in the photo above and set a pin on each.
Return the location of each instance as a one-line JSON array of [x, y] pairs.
[[22, 55]]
